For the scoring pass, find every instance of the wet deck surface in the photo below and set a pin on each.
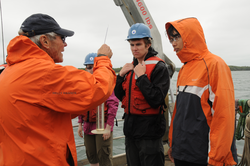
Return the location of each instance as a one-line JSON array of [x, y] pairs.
[[168, 162]]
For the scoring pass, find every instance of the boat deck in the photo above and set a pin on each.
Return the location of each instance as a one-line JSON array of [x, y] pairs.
[[120, 160]]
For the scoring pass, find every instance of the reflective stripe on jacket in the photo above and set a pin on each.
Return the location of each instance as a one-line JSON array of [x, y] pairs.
[[38, 100], [136, 103]]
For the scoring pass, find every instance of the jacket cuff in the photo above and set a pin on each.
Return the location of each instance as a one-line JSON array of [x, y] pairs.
[[120, 77], [139, 78], [213, 162], [80, 120], [101, 55]]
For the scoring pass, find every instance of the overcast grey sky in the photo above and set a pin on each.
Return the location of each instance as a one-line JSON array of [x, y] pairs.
[[226, 24]]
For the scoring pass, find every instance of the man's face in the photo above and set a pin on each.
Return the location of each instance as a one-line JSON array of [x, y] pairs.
[[176, 42], [56, 48], [139, 49]]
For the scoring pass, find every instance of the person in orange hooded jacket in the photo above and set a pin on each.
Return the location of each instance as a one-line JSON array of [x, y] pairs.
[[39, 98], [204, 109]]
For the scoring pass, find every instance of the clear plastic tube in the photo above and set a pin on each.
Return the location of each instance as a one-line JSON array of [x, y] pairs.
[[100, 117]]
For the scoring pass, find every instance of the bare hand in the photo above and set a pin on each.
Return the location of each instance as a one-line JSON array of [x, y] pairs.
[[107, 135], [126, 68], [140, 69], [80, 130], [170, 154], [105, 49]]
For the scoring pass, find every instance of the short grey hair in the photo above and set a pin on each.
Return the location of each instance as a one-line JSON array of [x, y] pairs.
[[35, 39]]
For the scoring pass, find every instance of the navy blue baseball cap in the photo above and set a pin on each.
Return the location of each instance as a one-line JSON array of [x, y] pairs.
[[38, 24]]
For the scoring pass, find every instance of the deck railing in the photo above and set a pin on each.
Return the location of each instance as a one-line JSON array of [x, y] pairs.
[[119, 137], [115, 138]]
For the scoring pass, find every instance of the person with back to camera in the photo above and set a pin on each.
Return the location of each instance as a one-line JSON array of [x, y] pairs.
[[142, 87], [98, 146], [204, 109], [39, 98]]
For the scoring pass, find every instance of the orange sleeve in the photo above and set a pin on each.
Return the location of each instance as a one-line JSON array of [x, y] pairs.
[[69, 90], [223, 120]]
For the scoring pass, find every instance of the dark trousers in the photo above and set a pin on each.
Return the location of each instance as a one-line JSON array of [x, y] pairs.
[[185, 163], [70, 159], [144, 152]]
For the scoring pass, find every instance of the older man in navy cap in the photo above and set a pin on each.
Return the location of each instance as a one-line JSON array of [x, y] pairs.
[[39, 97]]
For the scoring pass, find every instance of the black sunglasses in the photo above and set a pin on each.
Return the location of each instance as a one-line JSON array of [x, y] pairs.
[[63, 38], [89, 67]]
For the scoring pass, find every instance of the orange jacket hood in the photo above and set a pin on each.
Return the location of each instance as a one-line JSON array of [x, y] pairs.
[[194, 44], [29, 50]]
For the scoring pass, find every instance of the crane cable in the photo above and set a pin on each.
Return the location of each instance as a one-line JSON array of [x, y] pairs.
[[2, 31]]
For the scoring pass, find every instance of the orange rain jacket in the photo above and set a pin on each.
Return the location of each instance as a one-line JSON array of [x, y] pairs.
[[204, 109], [38, 100]]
